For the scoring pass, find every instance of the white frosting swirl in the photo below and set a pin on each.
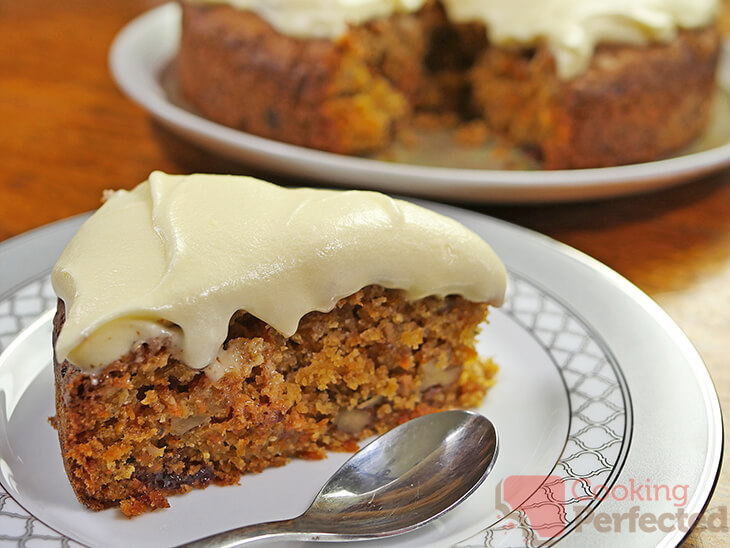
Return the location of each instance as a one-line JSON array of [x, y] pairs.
[[178, 255], [571, 28]]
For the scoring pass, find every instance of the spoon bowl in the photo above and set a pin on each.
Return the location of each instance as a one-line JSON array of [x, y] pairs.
[[402, 480]]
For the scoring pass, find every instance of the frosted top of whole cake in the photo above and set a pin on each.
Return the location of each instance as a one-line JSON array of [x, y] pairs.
[[571, 28], [178, 255]]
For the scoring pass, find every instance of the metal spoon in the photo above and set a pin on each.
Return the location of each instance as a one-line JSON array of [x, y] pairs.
[[405, 478]]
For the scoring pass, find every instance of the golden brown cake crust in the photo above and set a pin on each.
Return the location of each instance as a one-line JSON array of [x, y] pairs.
[[633, 104], [356, 95], [147, 426], [235, 69]]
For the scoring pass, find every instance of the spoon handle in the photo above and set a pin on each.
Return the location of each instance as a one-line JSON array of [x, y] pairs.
[[251, 533]]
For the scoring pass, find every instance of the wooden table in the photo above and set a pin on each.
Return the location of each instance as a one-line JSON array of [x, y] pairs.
[[67, 133]]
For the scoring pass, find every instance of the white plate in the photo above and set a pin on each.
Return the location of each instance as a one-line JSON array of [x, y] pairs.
[[589, 391], [145, 47]]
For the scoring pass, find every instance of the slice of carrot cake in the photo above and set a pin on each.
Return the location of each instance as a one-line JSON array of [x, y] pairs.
[[210, 326]]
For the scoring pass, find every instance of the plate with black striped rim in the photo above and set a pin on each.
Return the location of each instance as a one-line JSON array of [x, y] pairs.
[[591, 373]]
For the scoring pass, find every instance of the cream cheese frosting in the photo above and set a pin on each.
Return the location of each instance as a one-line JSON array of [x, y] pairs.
[[177, 256], [320, 18], [571, 28]]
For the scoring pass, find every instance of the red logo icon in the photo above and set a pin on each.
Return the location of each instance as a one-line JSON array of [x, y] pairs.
[[541, 498]]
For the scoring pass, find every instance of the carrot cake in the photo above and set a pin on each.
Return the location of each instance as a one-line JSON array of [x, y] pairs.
[[581, 83], [210, 326]]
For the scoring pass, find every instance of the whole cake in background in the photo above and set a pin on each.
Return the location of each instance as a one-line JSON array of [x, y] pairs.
[[579, 83], [209, 326]]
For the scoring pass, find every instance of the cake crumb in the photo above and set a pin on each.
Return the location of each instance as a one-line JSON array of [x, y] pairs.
[[472, 134]]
